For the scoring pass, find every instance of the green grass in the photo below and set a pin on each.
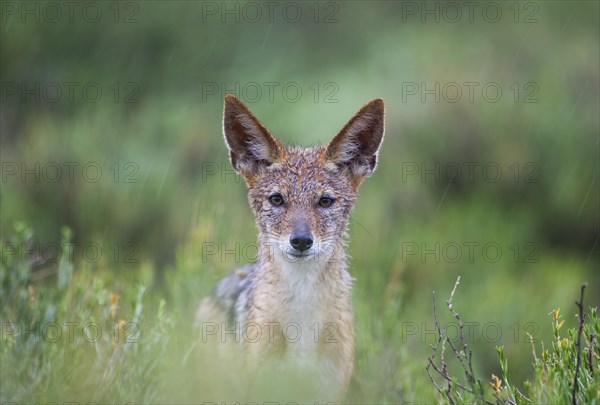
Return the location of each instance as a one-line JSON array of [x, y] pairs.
[[80, 336]]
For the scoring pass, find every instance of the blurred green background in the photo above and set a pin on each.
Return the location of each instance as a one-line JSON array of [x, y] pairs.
[[488, 170]]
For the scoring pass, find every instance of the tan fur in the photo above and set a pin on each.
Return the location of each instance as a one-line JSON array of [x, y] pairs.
[[297, 288]]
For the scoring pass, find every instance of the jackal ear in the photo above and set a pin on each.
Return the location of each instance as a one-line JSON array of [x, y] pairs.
[[250, 143], [357, 144]]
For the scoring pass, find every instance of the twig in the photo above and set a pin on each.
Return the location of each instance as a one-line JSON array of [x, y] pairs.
[[522, 396], [446, 376], [466, 360], [444, 372], [473, 386], [434, 348], [590, 352], [443, 368], [581, 321], [535, 359]]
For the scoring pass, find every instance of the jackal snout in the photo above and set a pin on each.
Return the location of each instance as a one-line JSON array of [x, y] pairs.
[[301, 238]]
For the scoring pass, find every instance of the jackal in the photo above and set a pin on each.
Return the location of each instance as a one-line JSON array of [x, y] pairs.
[[292, 308]]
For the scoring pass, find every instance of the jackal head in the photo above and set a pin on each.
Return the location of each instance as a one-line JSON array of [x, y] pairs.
[[302, 197]]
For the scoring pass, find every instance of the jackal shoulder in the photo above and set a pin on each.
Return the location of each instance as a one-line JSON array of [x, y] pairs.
[[230, 298]]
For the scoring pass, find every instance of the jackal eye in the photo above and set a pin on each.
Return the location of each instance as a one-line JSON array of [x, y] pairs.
[[326, 202], [276, 200]]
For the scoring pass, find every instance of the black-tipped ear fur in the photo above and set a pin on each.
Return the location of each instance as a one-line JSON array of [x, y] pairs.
[[355, 147], [250, 143]]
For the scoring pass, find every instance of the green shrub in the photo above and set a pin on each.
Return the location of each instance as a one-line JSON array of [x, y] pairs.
[[555, 367], [575, 358], [75, 340]]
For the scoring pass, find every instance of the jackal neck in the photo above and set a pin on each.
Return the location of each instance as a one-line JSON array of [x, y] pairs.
[[320, 273]]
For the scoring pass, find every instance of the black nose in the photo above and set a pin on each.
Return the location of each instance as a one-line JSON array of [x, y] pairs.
[[301, 240]]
